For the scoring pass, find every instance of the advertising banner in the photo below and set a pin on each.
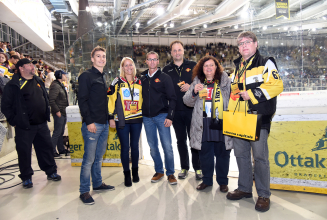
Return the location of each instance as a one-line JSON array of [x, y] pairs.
[[282, 9], [298, 155]]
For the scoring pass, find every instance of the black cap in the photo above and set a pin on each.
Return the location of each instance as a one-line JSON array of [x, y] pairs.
[[34, 62], [22, 62]]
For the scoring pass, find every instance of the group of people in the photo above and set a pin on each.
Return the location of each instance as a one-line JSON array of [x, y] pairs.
[[192, 98], [189, 96]]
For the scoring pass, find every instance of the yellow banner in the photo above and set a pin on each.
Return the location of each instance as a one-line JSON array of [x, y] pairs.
[[298, 156], [76, 143]]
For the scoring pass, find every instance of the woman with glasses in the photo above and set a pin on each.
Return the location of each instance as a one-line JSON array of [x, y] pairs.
[[125, 110], [209, 95]]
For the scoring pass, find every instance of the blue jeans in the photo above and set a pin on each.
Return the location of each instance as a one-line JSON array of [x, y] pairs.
[[209, 150], [242, 150], [151, 126], [129, 136], [95, 145], [58, 132]]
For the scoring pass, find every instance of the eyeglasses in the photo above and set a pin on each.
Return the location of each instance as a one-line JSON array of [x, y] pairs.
[[150, 60], [244, 43]]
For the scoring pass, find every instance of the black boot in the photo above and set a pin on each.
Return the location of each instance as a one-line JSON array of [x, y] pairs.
[[128, 180], [135, 174]]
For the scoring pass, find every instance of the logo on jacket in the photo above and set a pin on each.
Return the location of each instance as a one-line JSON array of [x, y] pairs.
[[188, 70], [257, 93], [256, 79], [157, 80], [38, 85], [126, 93]]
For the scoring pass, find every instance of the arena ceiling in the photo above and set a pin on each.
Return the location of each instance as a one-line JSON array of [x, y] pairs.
[[224, 18]]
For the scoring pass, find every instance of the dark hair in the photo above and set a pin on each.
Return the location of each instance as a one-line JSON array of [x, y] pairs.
[[6, 62], [50, 68], [15, 57], [175, 42], [198, 69]]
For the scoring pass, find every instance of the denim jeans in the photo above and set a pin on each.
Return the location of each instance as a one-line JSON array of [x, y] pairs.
[[95, 145], [209, 150], [242, 150], [151, 126], [58, 132], [129, 136]]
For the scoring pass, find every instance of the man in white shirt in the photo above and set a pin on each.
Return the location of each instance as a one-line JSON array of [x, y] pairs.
[[50, 78]]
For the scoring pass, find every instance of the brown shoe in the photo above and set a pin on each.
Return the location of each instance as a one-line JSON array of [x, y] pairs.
[[263, 204], [172, 180], [202, 186], [223, 188], [237, 194], [157, 177]]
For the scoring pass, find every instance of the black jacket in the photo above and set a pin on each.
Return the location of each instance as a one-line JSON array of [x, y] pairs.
[[158, 95], [92, 97], [13, 104], [186, 76], [58, 98]]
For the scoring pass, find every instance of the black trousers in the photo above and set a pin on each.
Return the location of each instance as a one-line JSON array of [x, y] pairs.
[[182, 125], [39, 136]]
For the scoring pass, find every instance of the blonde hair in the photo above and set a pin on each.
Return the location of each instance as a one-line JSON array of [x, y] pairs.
[[122, 73]]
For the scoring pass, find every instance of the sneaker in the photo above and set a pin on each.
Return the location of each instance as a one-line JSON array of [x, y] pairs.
[[198, 175], [183, 174], [54, 177], [86, 198], [104, 187], [172, 180], [56, 155], [27, 184], [157, 177]]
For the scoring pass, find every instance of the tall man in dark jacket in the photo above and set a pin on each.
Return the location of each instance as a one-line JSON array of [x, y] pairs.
[[158, 108], [180, 71], [93, 105], [26, 107], [58, 101]]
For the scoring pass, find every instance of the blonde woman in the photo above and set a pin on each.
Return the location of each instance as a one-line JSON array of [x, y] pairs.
[[125, 103]]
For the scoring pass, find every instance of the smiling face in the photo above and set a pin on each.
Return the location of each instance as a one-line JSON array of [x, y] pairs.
[[209, 69], [99, 60], [152, 61], [248, 48], [128, 68]]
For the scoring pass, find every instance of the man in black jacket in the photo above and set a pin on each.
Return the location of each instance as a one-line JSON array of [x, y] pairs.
[[26, 107], [58, 101], [158, 109], [180, 71], [93, 105]]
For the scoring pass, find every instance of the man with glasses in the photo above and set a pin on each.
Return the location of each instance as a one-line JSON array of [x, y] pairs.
[[158, 110], [256, 82], [180, 71]]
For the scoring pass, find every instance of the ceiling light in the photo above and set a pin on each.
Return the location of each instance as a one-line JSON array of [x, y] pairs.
[[160, 11], [171, 24], [137, 24], [195, 12], [186, 12], [285, 28], [106, 23], [282, 43], [99, 24], [205, 25], [236, 27], [165, 25], [95, 9], [264, 28], [296, 28], [266, 42], [324, 18], [87, 9], [313, 29]]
